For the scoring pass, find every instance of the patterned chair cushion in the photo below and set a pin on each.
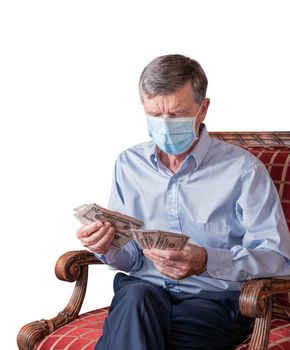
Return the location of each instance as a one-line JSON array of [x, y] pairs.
[[83, 333], [279, 336]]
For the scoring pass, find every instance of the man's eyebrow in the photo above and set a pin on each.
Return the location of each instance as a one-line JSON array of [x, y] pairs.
[[177, 111], [151, 112], [180, 111]]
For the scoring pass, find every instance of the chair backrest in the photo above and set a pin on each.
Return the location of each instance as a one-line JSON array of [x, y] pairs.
[[273, 149]]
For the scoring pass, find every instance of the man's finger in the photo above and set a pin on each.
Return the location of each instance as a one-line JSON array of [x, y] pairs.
[[173, 258], [166, 254], [96, 236], [167, 264], [90, 228], [87, 230], [103, 245], [168, 271], [154, 258]]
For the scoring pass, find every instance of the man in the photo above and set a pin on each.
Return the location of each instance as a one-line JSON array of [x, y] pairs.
[[184, 181]]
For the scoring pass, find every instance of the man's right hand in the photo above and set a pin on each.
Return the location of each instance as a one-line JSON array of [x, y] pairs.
[[97, 236]]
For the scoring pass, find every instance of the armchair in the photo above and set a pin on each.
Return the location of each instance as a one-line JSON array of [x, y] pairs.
[[266, 300]]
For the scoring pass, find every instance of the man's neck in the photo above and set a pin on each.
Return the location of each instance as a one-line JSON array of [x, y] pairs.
[[174, 162]]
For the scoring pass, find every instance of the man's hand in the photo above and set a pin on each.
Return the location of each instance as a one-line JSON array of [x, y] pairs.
[[191, 260], [97, 236]]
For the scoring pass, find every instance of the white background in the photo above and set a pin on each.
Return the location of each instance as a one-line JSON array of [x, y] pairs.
[[69, 104]]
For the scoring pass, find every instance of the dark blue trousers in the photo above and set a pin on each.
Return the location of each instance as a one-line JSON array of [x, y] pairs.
[[144, 316]]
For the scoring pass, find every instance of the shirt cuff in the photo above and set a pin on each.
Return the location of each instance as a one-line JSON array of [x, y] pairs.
[[112, 255], [219, 263]]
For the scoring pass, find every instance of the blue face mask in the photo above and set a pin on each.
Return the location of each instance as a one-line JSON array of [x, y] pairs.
[[172, 135]]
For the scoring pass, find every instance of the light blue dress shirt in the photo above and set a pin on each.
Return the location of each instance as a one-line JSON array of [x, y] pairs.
[[222, 197]]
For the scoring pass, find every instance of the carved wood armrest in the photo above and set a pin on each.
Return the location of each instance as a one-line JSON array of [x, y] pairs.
[[71, 266], [256, 301]]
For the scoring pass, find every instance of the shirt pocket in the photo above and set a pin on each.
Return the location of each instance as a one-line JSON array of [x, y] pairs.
[[209, 234]]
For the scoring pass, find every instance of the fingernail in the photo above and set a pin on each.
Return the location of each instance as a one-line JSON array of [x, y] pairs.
[[85, 233]]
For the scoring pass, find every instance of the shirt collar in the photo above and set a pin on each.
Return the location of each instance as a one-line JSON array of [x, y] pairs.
[[198, 152]]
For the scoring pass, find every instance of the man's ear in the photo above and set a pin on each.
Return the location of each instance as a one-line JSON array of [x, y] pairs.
[[203, 111]]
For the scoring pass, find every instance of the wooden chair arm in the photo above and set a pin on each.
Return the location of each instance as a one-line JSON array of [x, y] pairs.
[[71, 266], [256, 301]]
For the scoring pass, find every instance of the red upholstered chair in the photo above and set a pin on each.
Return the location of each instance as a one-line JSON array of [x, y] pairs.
[[267, 300]]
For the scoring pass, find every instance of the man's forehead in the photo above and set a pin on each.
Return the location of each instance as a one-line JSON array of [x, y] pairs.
[[175, 102]]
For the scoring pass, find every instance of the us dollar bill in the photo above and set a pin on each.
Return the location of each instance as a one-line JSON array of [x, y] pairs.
[[123, 224], [160, 239]]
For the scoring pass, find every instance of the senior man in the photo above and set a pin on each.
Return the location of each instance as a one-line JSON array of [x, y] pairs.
[[184, 181]]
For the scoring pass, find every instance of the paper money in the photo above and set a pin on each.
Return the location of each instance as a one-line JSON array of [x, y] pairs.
[[160, 239], [128, 228], [123, 224]]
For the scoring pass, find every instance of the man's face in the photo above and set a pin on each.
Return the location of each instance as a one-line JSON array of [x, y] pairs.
[[177, 104]]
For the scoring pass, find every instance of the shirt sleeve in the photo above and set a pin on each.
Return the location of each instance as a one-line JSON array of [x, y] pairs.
[[265, 248], [129, 257]]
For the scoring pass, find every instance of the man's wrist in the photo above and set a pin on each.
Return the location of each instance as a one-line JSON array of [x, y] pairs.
[[203, 260], [112, 255]]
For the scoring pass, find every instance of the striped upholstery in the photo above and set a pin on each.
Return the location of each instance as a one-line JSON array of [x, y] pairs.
[[279, 336], [81, 334], [277, 162], [273, 149]]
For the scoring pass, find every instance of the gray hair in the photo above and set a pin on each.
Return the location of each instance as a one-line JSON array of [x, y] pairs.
[[166, 74]]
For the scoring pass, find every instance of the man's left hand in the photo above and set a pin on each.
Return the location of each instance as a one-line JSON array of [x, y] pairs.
[[191, 260]]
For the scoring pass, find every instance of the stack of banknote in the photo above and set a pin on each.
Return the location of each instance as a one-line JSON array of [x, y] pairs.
[[160, 239], [128, 228], [123, 224]]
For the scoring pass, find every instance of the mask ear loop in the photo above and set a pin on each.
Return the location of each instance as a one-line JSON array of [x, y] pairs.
[[197, 132]]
